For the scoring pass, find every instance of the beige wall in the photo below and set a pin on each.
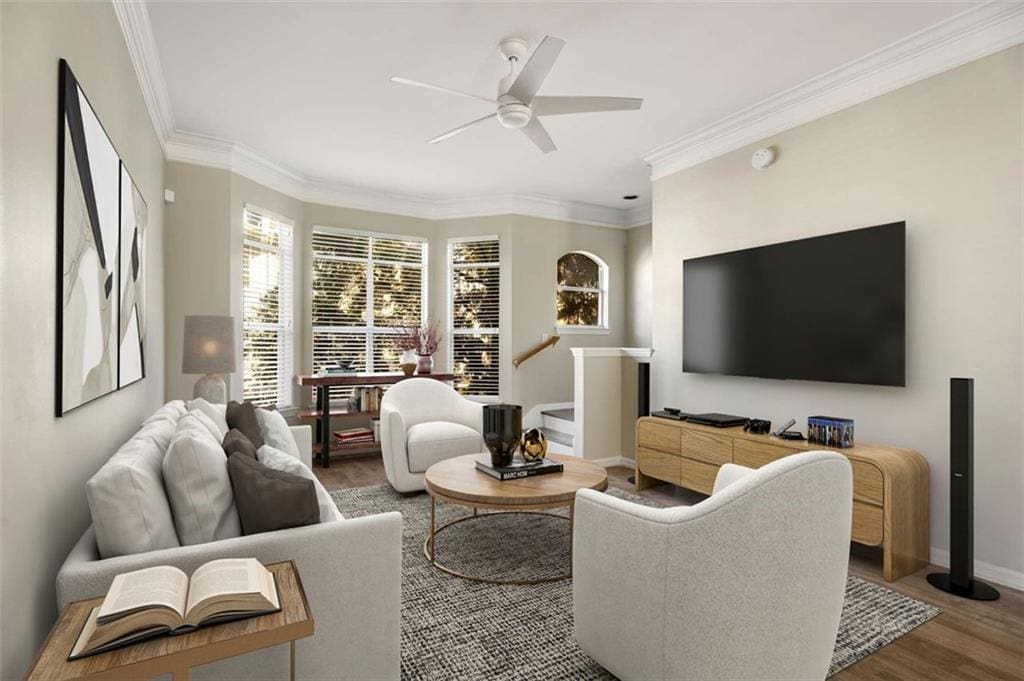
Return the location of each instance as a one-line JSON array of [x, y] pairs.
[[203, 273], [945, 155], [197, 269], [639, 287], [46, 460]]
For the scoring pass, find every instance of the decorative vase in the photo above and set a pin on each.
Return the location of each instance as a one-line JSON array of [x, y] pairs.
[[408, 362], [425, 364], [503, 426], [533, 446]]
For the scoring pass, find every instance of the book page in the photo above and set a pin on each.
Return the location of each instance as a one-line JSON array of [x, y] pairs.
[[223, 577], [156, 586]]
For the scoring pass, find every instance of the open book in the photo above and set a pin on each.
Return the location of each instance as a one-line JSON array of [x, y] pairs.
[[160, 600]]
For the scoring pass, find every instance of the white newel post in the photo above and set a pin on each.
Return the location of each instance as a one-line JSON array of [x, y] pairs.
[[598, 401]]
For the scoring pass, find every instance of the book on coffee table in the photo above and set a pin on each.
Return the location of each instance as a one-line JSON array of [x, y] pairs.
[[163, 600], [518, 469]]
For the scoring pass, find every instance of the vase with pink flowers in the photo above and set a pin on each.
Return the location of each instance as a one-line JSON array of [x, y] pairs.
[[417, 345]]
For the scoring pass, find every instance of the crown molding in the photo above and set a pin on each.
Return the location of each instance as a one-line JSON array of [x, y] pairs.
[[138, 36], [967, 36], [214, 152]]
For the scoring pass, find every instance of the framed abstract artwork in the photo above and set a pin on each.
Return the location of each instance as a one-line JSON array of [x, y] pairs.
[[131, 352], [101, 223]]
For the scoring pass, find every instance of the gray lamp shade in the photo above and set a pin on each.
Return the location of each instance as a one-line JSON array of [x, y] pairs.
[[209, 345]]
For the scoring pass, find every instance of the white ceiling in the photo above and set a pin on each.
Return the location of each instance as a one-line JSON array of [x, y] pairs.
[[306, 85]]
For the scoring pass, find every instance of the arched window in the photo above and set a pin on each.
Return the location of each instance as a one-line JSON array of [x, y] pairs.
[[581, 300]]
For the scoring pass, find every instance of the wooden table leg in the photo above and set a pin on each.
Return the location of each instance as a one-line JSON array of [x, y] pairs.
[[291, 670], [180, 674]]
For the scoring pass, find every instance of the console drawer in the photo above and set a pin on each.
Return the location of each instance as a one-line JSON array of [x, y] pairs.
[[707, 447], [697, 476], [867, 524], [867, 482], [757, 454], [658, 465], [658, 436]]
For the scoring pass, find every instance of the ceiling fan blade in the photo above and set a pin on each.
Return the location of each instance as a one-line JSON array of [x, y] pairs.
[[455, 131], [428, 86], [554, 106], [536, 69], [539, 136]]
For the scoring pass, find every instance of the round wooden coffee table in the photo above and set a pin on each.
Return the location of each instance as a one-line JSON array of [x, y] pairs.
[[457, 481]]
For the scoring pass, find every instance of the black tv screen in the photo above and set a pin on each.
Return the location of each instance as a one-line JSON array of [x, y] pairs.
[[828, 308]]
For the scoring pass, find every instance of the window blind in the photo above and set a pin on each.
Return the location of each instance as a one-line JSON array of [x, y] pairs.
[[475, 296], [267, 276], [364, 288]]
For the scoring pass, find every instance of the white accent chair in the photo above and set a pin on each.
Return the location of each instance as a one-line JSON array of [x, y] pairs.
[[747, 584], [423, 421]]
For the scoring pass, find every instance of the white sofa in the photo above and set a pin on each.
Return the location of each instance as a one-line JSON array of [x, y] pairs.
[[350, 569], [747, 584], [423, 421]]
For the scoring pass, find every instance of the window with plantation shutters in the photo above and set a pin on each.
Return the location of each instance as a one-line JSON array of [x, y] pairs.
[[365, 287], [267, 309], [474, 274]]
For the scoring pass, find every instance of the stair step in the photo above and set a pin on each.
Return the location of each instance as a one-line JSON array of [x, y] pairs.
[[564, 414], [557, 436]]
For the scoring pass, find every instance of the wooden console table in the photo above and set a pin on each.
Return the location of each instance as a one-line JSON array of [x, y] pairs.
[[177, 655], [322, 384], [890, 484]]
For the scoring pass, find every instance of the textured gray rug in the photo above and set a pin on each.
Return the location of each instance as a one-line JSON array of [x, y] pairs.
[[457, 629]]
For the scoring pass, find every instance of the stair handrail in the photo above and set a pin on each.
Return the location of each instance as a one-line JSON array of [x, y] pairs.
[[522, 357]]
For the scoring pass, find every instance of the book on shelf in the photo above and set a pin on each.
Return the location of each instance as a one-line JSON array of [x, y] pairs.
[[354, 436], [518, 469], [366, 398], [163, 600]]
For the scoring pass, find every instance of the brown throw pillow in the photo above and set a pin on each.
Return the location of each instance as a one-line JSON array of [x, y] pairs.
[[236, 441], [269, 500], [242, 415]]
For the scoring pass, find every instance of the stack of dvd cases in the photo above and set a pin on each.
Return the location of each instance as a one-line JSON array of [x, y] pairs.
[[830, 431]]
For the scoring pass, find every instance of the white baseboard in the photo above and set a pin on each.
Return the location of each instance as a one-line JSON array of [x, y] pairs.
[[983, 570], [615, 461]]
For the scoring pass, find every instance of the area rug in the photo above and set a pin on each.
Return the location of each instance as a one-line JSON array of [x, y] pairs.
[[453, 628]]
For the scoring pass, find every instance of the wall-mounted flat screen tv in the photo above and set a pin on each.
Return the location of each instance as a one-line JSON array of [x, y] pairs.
[[828, 308]]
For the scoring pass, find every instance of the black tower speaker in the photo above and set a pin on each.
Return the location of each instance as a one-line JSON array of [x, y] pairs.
[[643, 396], [960, 578]]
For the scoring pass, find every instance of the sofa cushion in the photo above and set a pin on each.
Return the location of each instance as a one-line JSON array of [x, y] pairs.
[[130, 511], [276, 432], [269, 499], [216, 412], [242, 415], [428, 443], [278, 460], [198, 486], [206, 422], [236, 442], [172, 411]]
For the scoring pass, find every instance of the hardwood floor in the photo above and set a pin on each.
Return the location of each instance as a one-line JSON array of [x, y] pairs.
[[968, 640]]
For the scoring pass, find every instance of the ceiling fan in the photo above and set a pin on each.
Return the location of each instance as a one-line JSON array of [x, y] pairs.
[[518, 104]]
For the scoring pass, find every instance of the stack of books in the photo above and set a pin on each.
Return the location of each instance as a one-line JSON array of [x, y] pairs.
[[518, 469], [366, 399], [352, 436]]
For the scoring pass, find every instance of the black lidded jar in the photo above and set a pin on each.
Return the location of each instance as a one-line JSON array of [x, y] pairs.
[[503, 426]]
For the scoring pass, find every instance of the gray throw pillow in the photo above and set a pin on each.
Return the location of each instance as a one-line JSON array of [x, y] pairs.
[[268, 499], [242, 416], [236, 441]]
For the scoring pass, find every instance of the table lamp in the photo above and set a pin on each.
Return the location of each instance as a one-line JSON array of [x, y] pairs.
[[209, 349]]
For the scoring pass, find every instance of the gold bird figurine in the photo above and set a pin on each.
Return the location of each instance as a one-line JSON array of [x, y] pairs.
[[533, 445]]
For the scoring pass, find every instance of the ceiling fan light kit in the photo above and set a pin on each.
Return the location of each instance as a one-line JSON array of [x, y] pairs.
[[517, 105]]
